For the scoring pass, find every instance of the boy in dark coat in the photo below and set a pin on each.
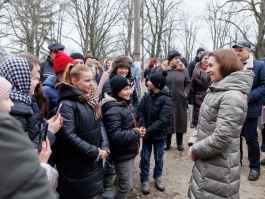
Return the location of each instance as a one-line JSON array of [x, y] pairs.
[[123, 133], [154, 113]]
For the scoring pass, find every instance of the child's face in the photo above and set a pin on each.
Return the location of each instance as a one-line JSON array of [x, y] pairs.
[[6, 103], [125, 93], [151, 86]]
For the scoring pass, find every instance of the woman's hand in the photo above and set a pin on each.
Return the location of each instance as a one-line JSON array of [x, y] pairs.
[[103, 154], [55, 123], [190, 155], [45, 151]]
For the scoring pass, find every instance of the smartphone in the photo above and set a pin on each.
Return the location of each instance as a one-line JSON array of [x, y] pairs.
[[43, 133], [59, 108], [131, 81]]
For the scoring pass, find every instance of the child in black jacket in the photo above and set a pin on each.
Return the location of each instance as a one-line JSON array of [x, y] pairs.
[[154, 113], [123, 133]]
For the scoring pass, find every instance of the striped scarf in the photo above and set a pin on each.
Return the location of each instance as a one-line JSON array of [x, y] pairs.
[[90, 99]]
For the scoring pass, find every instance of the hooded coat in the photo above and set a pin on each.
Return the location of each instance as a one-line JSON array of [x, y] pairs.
[[77, 147], [200, 82], [216, 172], [16, 70], [178, 83], [119, 120]]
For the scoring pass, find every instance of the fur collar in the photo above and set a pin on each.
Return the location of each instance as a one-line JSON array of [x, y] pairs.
[[249, 65], [166, 67], [199, 72]]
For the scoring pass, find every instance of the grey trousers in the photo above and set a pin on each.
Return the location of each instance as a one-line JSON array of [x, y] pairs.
[[124, 178]]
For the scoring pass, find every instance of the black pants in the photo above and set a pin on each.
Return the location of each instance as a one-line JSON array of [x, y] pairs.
[[249, 131]]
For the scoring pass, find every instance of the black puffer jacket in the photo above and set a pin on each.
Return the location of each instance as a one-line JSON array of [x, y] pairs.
[[155, 112], [77, 147], [119, 121], [133, 99], [24, 113]]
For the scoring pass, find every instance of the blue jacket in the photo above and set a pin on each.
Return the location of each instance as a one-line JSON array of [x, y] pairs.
[[51, 92], [257, 92]]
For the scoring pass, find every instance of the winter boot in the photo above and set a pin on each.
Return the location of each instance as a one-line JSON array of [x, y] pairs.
[[180, 141], [168, 142], [159, 184], [262, 148], [145, 188], [107, 194]]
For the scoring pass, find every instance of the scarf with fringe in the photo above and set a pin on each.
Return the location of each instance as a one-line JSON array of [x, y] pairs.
[[90, 99]]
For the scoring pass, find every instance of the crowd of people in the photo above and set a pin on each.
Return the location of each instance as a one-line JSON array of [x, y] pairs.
[[98, 121]]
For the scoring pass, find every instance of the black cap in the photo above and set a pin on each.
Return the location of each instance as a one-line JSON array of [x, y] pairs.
[[242, 44], [77, 56], [172, 54], [199, 50], [117, 83], [158, 79], [55, 47]]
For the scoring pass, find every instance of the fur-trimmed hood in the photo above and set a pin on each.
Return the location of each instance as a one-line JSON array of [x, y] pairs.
[[200, 73], [166, 67]]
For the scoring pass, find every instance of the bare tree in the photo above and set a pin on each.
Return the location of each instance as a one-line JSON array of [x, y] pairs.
[[94, 20], [28, 23], [126, 27], [220, 30], [249, 19], [157, 14], [188, 34]]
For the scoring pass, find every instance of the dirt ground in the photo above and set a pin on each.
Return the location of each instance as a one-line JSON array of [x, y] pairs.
[[177, 172]]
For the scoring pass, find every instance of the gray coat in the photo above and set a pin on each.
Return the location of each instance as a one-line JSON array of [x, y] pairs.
[[216, 173], [179, 85], [20, 170]]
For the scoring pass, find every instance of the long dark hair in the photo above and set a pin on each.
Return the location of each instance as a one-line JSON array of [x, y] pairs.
[[38, 92]]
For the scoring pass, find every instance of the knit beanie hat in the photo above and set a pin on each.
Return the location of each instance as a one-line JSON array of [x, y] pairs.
[[5, 87], [199, 50], [172, 54], [77, 56], [158, 79], [117, 83], [61, 61]]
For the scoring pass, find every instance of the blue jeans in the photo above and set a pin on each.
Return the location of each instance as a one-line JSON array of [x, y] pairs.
[[191, 112], [145, 158], [109, 167]]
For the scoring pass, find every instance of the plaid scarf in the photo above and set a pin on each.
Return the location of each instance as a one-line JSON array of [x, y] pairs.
[[16, 71], [89, 98]]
